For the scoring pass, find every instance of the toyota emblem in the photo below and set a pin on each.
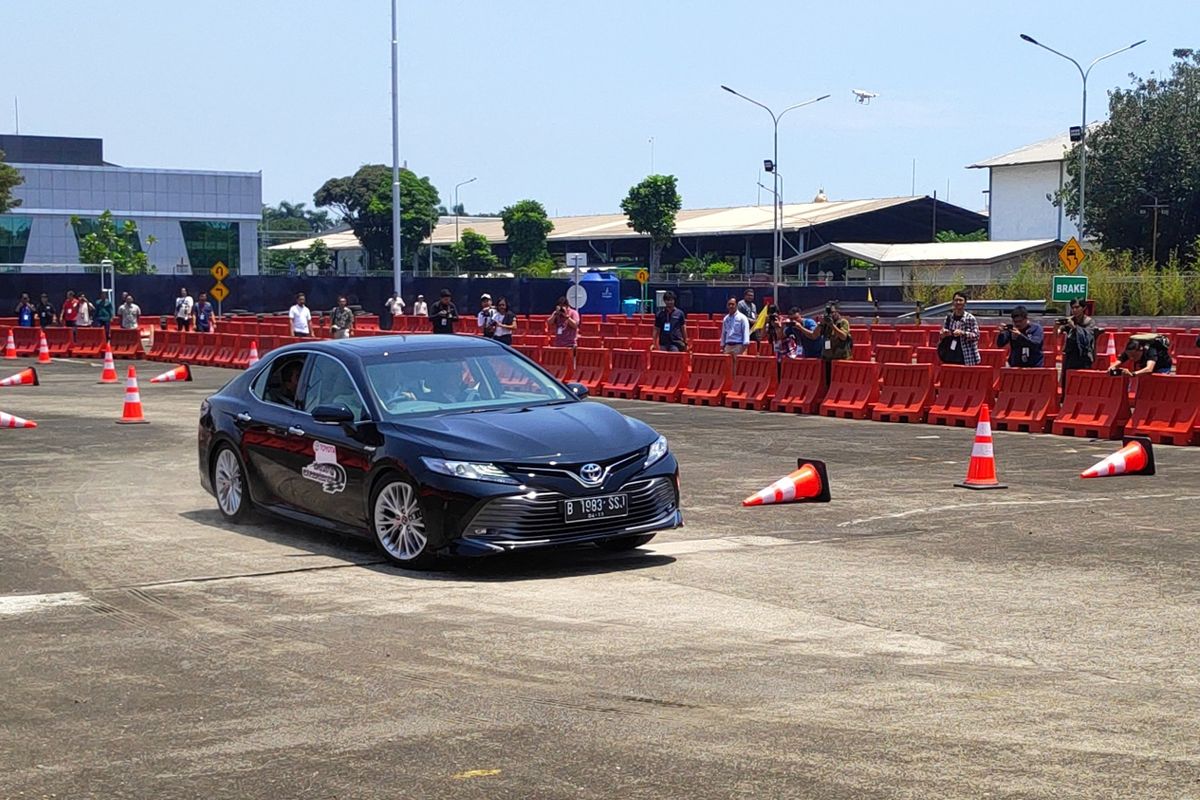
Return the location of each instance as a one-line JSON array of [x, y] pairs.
[[591, 473]]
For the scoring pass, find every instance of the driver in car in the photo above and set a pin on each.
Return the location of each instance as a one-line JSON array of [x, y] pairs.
[[289, 383]]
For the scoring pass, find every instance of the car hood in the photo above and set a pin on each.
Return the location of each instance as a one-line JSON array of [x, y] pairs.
[[567, 432]]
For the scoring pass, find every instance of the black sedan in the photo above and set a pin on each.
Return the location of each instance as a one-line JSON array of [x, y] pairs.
[[433, 446]]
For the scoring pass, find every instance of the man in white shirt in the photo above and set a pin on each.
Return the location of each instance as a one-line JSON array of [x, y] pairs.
[[395, 305], [301, 317], [735, 329], [420, 309], [183, 311]]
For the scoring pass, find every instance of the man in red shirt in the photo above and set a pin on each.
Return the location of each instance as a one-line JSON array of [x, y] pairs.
[[564, 324], [70, 310]]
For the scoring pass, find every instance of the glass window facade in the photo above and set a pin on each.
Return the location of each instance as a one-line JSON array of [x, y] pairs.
[[210, 242], [88, 225], [14, 236]]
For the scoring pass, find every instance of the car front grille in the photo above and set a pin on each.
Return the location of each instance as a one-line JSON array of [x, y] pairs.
[[537, 517]]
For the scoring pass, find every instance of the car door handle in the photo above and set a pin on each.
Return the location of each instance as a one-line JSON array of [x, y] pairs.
[[243, 417], [296, 430]]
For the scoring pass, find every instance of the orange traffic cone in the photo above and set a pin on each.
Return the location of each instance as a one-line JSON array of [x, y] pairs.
[[1110, 351], [253, 354], [809, 483], [981, 472], [10, 349], [133, 402], [1135, 458], [43, 349], [10, 421], [181, 373], [26, 377], [109, 375]]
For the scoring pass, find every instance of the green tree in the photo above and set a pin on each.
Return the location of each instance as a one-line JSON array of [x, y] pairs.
[[526, 226], [364, 200], [1147, 148], [651, 207], [116, 244], [472, 253], [9, 180], [980, 235]]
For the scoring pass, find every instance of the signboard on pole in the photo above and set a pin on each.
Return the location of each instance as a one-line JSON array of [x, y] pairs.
[[576, 259], [1064, 288], [219, 291], [1071, 256], [643, 276]]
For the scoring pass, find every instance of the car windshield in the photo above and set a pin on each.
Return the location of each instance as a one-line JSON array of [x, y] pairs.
[[422, 383]]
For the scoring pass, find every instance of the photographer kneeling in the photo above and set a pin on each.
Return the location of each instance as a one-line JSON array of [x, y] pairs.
[[1024, 340], [1144, 354]]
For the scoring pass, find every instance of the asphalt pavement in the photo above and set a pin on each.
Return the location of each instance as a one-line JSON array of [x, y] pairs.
[[907, 640]]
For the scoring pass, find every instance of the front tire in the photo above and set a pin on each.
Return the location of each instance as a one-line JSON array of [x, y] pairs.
[[398, 524], [623, 543], [230, 485]]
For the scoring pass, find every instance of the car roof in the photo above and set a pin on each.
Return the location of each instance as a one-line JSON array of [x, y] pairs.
[[368, 346]]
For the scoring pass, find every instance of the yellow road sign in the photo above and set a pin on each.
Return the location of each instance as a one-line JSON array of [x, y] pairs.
[[219, 272], [643, 276], [219, 291], [1071, 256]]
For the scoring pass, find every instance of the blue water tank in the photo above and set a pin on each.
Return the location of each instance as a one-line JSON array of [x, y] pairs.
[[603, 292]]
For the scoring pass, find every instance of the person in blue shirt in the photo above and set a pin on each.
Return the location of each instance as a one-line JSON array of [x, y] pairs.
[[203, 314], [24, 312], [805, 332], [1024, 340]]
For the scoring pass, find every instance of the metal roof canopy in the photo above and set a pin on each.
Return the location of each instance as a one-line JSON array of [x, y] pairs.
[[937, 253]]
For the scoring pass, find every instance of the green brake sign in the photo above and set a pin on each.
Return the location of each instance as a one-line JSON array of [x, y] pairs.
[[1068, 287]]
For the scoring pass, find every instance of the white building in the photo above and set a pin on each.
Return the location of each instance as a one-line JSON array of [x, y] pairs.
[[1018, 185]]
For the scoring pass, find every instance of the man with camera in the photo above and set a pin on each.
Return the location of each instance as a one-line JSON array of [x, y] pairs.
[[1024, 340], [1079, 344], [565, 324], [1145, 353], [960, 335], [835, 330]]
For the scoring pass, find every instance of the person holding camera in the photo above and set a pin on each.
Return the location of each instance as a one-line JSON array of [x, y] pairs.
[[1024, 340], [1079, 344], [960, 335], [1145, 353], [565, 324], [444, 314], [838, 344], [485, 320], [670, 322], [807, 333]]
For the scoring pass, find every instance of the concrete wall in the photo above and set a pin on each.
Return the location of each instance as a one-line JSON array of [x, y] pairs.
[[1019, 208]]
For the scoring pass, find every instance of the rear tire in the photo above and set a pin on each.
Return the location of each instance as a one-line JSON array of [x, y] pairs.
[[398, 525], [624, 543], [230, 485]]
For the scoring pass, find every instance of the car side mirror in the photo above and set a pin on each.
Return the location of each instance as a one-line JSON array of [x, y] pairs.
[[333, 415], [578, 389]]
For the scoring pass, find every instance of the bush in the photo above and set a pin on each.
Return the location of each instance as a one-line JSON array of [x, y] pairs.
[[718, 269]]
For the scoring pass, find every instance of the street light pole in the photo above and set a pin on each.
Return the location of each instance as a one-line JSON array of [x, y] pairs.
[[397, 262], [1083, 73], [777, 210], [462, 183]]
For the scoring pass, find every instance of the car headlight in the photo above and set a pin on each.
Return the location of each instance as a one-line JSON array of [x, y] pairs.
[[657, 451], [470, 470]]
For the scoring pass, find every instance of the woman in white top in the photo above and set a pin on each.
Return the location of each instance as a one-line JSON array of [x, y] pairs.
[[506, 322], [84, 320]]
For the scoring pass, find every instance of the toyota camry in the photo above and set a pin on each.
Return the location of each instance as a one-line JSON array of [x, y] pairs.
[[433, 446]]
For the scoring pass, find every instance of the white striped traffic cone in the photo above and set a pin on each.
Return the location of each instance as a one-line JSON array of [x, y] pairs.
[[808, 484], [981, 472], [10, 347], [253, 353], [1135, 458], [26, 377], [181, 373], [109, 375], [43, 349], [11, 421], [132, 413]]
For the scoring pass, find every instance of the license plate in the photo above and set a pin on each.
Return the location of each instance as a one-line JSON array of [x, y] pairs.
[[590, 508]]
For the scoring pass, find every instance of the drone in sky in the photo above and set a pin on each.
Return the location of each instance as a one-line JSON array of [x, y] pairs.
[[863, 96]]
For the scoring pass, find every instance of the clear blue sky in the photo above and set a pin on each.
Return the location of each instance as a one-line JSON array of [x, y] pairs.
[[557, 99]]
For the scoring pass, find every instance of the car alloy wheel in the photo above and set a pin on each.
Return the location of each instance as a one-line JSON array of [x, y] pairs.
[[399, 524], [229, 483]]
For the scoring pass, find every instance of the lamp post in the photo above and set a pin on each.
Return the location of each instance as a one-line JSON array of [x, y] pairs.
[[1083, 73], [397, 269], [777, 211], [463, 183]]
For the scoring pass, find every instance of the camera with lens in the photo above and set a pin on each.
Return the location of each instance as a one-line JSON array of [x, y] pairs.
[[1115, 371]]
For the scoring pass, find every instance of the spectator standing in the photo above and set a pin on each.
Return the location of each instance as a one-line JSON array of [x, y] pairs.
[[301, 317], [420, 309], [202, 311], [183, 311], [809, 336], [444, 314], [485, 320], [395, 307], [341, 319], [960, 335], [1024, 340], [104, 313], [85, 313], [506, 322], [564, 322], [25, 312], [45, 312], [129, 313], [69, 314], [838, 344], [1079, 343], [735, 329], [671, 324], [750, 311]]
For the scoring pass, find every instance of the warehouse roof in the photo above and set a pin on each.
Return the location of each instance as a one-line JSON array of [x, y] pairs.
[[1046, 151], [928, 253]]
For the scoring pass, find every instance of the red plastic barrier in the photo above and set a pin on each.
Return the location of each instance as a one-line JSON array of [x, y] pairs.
[[1120, 339], [1026, 399], [1096, 406], [531, 351], [226, 349], [996, 358], [707, 333], [1167, 409], [894, 354], [754, 382], [709, 346], [27, 340], [189, 346], [665, 376], [1187, 344], [590, 342], [860, 351], [961, 395], [241, 355], [912, 337], [126, 343], [639, 343], [559, 362], [801, 386], [708, 380], [89, 343], [58, 341], [160, 344], [853, 390], [883, 336], [208, 344], [905, 393], [591, 367], [1187, 365], [624, 374]]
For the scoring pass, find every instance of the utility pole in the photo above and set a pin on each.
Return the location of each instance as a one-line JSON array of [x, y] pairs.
[[397, 256]]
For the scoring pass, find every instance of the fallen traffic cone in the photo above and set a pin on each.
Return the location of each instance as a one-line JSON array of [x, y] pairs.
[[1135, 458], [109, 375], [809, 483], [181, 373], [43, 349], [10, 349], [253, 354], [132, 413], [1111, 351], [10, 421], [26, 377], [981, 472]]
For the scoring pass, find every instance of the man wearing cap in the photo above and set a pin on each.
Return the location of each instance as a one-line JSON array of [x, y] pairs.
[[443, 315], [420, 307], [485, 320]]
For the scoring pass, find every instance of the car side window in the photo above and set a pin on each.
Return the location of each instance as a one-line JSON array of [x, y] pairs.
[[279, 383], [328, 384]]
